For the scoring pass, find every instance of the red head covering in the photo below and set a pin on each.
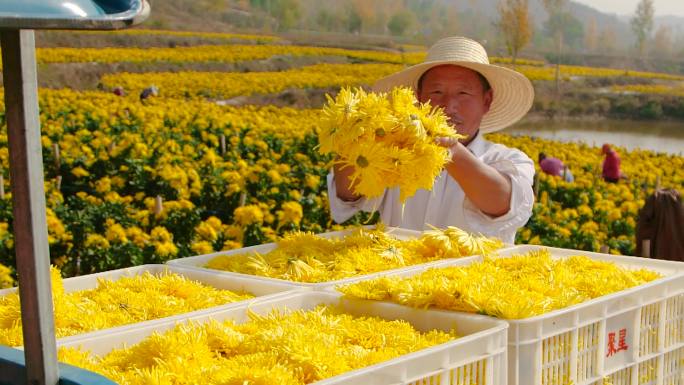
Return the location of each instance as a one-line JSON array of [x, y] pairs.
[[606, 149]]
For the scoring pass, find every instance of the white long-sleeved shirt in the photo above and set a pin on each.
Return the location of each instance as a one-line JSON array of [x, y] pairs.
[[447, 204]]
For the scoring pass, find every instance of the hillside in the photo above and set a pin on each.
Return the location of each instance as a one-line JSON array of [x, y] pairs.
[[365, 24], [428, 18]]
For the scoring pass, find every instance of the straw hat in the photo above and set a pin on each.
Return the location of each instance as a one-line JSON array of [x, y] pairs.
[[513, 92]]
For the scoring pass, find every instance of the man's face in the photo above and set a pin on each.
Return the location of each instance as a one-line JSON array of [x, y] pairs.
[[460, 93]]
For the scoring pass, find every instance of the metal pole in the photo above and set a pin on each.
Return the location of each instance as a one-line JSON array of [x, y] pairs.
[[28, 199]]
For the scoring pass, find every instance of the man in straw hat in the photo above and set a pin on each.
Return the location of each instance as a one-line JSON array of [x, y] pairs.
[[487, 188]]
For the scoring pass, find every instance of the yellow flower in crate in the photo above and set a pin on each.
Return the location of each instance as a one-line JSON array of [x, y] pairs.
[[453, 243], [286, 349], [113, 303], [389, 140], [305, 257], [514, 287]]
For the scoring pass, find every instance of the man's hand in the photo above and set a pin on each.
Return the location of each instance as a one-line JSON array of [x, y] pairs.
[[448, 143], [342, 176]]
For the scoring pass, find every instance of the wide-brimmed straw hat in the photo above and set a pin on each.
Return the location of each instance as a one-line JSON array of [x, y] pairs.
[[513, 92]]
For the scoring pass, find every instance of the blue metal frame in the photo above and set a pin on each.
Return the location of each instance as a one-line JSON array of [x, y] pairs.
[[13, 371], [72, 14]]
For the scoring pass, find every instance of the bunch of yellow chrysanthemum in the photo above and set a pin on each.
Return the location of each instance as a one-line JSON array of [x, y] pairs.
[[296, 348], [518, 287], [305, 257], [389, 139], [114, 303]]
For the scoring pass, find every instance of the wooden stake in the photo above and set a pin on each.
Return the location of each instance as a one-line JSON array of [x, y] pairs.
[[158, 205], [223, 144], [2, 187], [243, 199], [58, 160], [59, 182]]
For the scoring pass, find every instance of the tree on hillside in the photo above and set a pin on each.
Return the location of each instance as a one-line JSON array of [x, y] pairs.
[[662, 41], [555, 10], [285, 13], [363, 12], [568, 26], [328, 21], [591, 36], [401, 22], [642, 23], [514, 23], [438, 18], [353, 20], [606, 40]]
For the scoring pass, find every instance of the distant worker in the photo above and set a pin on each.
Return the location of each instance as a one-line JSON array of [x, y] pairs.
[[611, 165], [148, 92], [554, 166], [119, 91], [550, 165]]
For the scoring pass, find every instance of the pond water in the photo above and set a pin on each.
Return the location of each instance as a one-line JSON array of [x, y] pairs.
[[660, 136]]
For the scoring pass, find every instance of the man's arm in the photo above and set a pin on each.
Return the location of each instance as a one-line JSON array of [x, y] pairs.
[[486, 187]]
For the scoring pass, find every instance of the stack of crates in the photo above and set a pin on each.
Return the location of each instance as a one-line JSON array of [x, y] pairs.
[[633, 337]]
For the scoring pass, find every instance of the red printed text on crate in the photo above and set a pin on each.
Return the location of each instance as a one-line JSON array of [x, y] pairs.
[[618, 344]]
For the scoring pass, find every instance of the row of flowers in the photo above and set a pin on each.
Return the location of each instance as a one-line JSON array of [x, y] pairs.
[[259, 39], [567, 72], [658, 89], [229, 53], [212, 53], [230, 84], [536, 70], [130, 183]]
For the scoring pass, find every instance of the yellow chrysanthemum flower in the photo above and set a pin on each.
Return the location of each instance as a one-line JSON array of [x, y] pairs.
[[515, 287], [286, 349], [247, 215], [305, 257], [291, 212], [6, 279], [113, 303]]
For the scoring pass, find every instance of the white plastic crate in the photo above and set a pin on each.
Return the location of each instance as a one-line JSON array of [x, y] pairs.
[[478, 357], [633, 337], [198, 262], [236, 284]]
